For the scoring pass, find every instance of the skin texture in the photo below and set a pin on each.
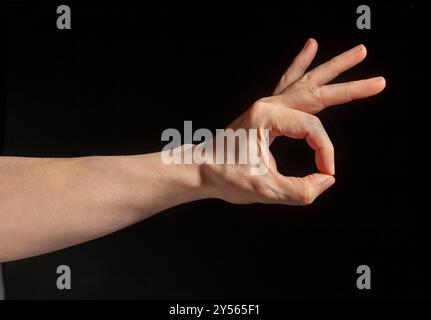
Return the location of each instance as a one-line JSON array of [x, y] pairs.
[[48, 204]]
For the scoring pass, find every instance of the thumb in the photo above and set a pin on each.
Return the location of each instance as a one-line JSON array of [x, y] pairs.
[[303, 191]]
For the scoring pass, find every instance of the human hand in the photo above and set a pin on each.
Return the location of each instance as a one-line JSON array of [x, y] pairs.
[[290, 112]]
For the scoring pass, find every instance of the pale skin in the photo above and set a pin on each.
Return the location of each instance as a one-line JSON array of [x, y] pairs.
[[48, 204]]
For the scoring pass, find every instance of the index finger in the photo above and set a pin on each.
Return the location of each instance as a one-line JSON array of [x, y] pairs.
[[300, 125]]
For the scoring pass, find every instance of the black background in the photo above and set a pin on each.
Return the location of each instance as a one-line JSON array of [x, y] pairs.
[[124, 73]]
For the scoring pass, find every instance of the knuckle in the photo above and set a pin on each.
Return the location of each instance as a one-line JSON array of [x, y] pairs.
[[348, 91], [284, 78], [333, 63], [261, 104], [313, 122], [333, 60], [306, 78], [314, 92], [258, 109]]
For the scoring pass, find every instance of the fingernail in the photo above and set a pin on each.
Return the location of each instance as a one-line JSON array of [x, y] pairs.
[[381, 79], [358, 48], [326, 181], [307, 44], [381, 82]]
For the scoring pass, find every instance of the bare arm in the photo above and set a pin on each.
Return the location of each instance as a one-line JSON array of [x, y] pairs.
[[49, 204]]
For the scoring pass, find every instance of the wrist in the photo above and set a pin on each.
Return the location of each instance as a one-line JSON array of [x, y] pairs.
[[190, 176], [187, 175]]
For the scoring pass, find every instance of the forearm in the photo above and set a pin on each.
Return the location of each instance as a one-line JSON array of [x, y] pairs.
[[48, 204]]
